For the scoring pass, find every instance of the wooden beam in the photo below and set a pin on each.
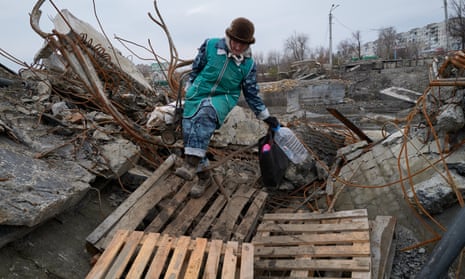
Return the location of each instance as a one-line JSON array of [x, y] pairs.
[[349, 124]]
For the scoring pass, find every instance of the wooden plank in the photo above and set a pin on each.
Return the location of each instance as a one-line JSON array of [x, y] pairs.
[[213, 212], [107, 257], [213, 259], [247, 261], [138, 211], [303, 273], [158, 262], [299, 277], [209, 217], [382, 234], [179, 257], [315, 216], [224, 225], [196, 259], [317, 251], [313, 228], [122, 261], [143, 256], [247, 226], [329, 238], [190, 211], [359, 274], [349, 124], [116, 215], [230, 260], [362, 264], [167, 213]]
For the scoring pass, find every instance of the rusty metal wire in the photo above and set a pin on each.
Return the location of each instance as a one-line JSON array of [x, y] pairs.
[[421, 108], [95, 81]]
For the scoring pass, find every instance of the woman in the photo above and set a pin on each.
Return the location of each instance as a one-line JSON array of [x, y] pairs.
[[222, 69]]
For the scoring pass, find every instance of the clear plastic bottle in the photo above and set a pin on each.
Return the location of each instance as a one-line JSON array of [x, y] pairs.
[[290, 144]]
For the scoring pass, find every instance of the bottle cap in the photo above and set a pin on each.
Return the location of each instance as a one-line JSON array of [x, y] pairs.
[[276, 128]]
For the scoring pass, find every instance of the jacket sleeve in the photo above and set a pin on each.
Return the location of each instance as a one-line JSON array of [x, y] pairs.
[[251, 90], [199, 62]]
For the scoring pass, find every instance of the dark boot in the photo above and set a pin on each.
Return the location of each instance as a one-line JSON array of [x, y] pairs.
[[205, 180], [189, 169]]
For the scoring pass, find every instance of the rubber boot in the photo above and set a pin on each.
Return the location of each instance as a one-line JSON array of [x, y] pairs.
[[189, 169], [205, 180]]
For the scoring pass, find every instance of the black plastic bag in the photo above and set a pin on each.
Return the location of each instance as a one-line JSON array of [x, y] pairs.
[[272, 159]]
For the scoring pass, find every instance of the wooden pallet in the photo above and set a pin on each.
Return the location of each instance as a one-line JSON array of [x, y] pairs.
[[308, 245], [162, 204], [151, 255]]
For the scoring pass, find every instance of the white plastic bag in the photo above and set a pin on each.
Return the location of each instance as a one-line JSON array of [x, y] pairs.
[[163, 115]]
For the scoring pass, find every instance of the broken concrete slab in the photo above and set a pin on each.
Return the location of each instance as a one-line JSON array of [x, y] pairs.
[[435, 194], [402, 94], [121, 155], [450, 118], [241, 127], [34, 190], [97, 39], [298, 95]]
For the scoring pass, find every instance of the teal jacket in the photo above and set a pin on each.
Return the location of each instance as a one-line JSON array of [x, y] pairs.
[[218, 77]]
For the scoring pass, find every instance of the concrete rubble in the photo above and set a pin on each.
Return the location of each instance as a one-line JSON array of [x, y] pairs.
[[52, 148]]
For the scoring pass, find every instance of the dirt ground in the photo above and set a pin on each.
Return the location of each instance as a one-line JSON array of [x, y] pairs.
[[57, 249]]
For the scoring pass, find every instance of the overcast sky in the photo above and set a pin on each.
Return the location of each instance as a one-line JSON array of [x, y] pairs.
[[192, 21]]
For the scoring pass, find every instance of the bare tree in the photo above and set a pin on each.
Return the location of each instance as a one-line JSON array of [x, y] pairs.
[[456, 24], [345, 50], [320, 54], [387, 43], [350, 48], [296, 46], [260, 62], [273, 63], [357, 43]]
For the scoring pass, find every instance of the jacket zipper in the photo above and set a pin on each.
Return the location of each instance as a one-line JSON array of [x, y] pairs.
[[220, 77]]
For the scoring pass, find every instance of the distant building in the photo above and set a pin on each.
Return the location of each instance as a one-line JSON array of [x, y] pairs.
[[431, 39]]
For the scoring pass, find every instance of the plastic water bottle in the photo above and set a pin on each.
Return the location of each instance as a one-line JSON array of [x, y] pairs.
[[290, 144]]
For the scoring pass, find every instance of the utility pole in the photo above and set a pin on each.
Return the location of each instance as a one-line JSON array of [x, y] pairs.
[[333, 7], [446, 27]]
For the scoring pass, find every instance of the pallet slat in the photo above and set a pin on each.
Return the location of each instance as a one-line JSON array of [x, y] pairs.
[[135, 254], [105, 260], [196, 259], [213, 260], [102, 230], [328, 238], [247, 261], [308, 245], [162, 219], [308, 216], [162, 204], [318, 264], [125, 255], [250, 220], [161, 257], [192, 209], [315, 251], [143, 257], [230, 260], [178, 258], [305, 228], [224, 225]]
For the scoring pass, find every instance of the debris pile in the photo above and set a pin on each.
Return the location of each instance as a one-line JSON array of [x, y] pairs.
[[85, 112]]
